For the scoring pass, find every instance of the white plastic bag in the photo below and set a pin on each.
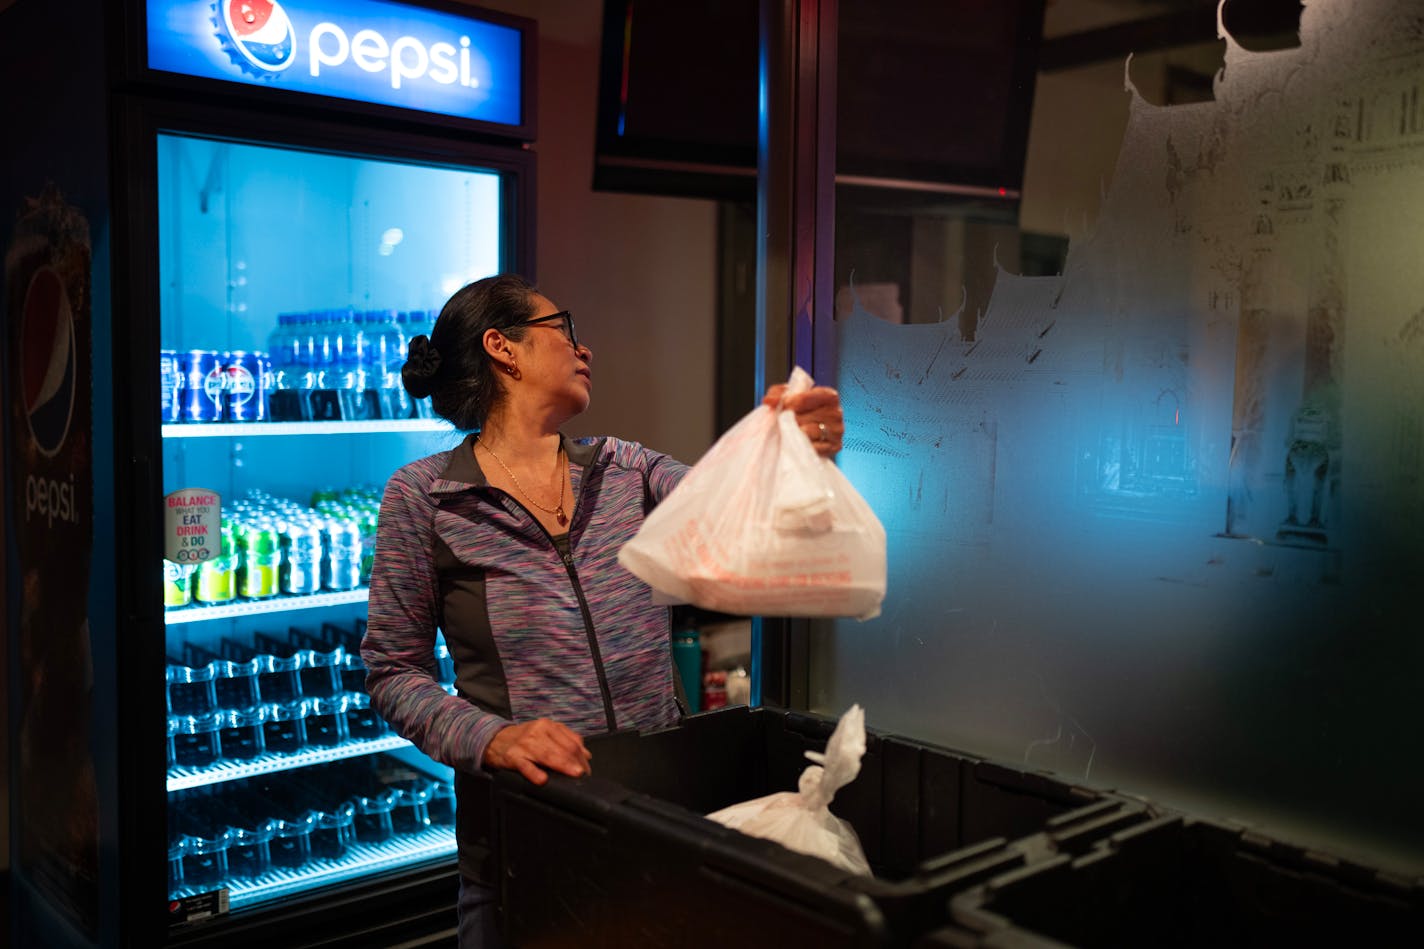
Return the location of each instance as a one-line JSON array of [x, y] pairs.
[[801, 820], [763, 526]]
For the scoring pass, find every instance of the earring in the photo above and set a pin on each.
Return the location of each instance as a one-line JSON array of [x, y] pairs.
[[512, 370]]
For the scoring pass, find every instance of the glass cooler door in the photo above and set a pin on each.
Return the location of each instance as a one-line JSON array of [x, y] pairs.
[[291, 281]]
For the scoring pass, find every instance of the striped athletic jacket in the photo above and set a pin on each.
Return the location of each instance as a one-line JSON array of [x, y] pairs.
[[537, 626]]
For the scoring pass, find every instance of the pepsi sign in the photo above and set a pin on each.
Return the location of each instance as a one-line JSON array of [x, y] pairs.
[[374, 51]]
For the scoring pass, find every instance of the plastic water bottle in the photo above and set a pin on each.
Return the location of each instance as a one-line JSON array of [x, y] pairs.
[[284, 399], [303, 363], [321, 399], [277, 342], [352, 363], [356, 349], [364, 378], [368, 366], [388, 348], [319, 334], [325, 399]]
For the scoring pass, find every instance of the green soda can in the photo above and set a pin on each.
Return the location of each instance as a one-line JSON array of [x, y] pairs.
[[366, 518], [217, 577], [259, 572], [177, 590]]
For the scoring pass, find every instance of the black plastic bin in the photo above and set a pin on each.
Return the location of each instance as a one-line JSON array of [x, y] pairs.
[[1182, 881], [625, 858]]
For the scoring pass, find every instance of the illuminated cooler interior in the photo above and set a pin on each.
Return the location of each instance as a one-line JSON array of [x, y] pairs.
[[248, 232]]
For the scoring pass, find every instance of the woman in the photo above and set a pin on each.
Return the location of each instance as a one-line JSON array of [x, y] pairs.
[[509, 544]]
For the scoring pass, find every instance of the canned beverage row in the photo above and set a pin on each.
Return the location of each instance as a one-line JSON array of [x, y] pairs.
[[320, 365], [267, 548], [207, 385], [220, 840]]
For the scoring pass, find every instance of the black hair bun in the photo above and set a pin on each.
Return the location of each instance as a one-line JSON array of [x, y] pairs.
[[422, 367]]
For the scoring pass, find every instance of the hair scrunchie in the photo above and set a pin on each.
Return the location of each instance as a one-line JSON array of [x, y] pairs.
[[422, 358]]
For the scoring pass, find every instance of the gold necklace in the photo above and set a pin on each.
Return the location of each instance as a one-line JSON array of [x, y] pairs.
[[558, 512]]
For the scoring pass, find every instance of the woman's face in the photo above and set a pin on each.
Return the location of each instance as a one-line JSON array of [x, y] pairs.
[[551, 364]]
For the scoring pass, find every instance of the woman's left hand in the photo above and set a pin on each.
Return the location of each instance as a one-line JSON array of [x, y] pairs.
[[818, 414]]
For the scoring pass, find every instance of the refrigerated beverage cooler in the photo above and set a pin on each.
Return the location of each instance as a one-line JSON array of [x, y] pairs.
[[224, 221]]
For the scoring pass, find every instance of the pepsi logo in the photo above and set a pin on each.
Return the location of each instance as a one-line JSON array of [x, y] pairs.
[[259, 32], [214, 383], [239, 384], [49, 361]]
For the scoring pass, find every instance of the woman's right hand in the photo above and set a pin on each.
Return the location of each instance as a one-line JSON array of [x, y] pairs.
[[526, 746]]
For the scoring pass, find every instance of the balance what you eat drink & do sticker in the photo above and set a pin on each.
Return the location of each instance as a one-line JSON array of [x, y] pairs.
[[192, 521]]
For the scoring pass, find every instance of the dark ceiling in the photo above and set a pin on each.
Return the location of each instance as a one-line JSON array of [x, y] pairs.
[[1166, 24]]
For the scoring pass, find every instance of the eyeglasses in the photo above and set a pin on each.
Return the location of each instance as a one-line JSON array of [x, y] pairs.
[[567, 329]]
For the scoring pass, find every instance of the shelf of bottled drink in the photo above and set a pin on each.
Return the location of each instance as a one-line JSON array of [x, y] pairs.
[[280, 775], [248, 429], [180, 778], [200, 612], [360, 859]]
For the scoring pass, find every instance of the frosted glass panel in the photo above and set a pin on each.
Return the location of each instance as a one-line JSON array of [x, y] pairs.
[[1157, 522]]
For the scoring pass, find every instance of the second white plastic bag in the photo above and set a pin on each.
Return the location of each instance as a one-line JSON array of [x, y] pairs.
[[801, 820], [763, 526]]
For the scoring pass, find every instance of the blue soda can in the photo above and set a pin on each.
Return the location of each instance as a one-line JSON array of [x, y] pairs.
[[245, 390], [202, 386], [171, 385]]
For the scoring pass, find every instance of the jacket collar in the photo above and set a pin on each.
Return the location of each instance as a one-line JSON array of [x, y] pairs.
[[462, 471]]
